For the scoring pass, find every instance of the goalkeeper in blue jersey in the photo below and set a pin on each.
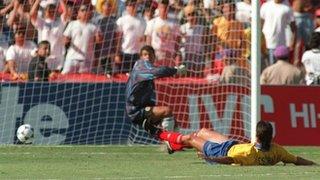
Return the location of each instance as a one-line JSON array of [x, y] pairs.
[[141, 97]]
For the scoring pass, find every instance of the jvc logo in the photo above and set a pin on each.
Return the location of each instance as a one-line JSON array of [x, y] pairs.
[[11, 111], [223, 124], [220, 124]]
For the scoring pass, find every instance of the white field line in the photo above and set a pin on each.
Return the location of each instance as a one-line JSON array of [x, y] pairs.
[[216, 175], [111, 153], [77, 146], [256, 175]]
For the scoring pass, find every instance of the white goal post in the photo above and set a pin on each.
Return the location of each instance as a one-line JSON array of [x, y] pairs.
[[255, 67]]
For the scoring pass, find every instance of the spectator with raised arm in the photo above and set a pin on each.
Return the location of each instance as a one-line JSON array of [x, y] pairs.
[[82, 37], [20, 16], [50, 28]]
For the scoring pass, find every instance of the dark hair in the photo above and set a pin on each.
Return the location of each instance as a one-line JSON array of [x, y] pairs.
[[150, 6], [314, 42], [42, 43], [264, 134], [165, 2], [129, 2], [147, 48]]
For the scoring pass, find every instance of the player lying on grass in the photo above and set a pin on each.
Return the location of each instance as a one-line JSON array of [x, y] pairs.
[[217, 148], [141, 97]]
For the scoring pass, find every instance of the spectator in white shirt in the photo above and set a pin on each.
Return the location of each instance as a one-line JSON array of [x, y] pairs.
[[130, 32], [311, 60], [82, 37], [164, 36], [243, 12], [50, 28], [276, 16], [19, 55]]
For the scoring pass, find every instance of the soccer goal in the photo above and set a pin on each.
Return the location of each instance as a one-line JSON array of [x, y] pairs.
[[82, 100]]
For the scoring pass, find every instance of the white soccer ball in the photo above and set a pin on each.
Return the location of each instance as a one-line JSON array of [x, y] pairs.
[[25, 133]]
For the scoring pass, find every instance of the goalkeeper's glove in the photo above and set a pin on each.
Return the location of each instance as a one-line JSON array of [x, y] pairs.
[[181, 69]]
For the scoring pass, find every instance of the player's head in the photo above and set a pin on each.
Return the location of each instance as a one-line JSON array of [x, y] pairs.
[[147, 53], [44, 49], [264, 134]]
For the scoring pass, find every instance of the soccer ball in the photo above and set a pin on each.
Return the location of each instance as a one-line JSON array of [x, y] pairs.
[[25, 133]]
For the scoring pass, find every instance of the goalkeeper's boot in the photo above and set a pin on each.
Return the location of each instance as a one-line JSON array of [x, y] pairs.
[[172, 147]]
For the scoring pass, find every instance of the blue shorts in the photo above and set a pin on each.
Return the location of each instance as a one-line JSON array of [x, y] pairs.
[[212, 149]]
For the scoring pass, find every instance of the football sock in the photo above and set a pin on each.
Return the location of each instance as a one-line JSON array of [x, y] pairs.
[[172, 137], [176, 147]]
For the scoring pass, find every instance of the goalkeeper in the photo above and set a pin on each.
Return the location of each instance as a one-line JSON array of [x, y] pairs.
[[141, 97], [217, 148]]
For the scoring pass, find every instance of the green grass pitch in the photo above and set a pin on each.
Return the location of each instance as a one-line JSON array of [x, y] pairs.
[[136, 162]]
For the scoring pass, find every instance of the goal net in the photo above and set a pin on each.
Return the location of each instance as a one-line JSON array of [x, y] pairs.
[[80, 97]]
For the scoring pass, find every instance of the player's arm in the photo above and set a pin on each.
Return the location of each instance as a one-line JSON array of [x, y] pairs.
[[220, 160], [151, 72], [305, 162], [287, 157]]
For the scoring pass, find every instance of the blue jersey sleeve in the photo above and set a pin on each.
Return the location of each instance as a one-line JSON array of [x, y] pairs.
[[146, 71]]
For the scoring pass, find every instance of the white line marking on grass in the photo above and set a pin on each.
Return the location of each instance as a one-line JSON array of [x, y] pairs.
[[129, 178], [89, 153], [78, 146], [213, 175]]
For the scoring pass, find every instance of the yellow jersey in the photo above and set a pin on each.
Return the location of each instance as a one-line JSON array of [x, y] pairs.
[[248, 154]]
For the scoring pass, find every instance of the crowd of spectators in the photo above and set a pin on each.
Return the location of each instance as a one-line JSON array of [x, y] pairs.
[[211, 37]]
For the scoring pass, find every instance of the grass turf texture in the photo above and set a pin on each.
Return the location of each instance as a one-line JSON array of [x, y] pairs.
[[136, 162]]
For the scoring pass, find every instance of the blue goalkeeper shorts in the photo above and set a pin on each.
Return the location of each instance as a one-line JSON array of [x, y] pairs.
[[212, 149]]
